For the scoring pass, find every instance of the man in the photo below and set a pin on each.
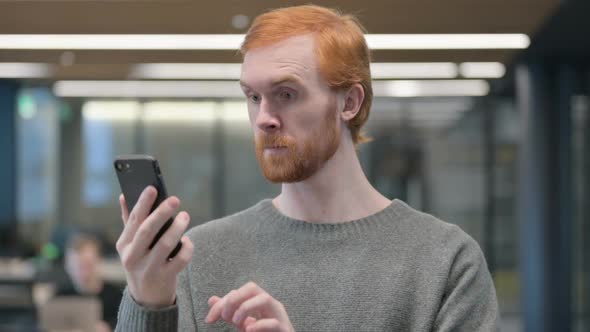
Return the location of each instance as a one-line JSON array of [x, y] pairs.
[[82, 260], [329, 253]]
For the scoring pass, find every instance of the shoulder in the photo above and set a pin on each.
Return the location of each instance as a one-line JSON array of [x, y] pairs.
[[429, 233]]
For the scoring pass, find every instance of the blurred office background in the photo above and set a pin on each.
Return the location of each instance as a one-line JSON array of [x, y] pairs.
[[491, 132]]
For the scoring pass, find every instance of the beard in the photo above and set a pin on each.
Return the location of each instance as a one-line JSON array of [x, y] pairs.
[[298, 161]]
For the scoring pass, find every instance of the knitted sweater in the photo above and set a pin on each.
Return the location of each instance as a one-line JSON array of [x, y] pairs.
[[396, 270]]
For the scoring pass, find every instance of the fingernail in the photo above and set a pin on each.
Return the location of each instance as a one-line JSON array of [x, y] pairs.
[[237, 318]]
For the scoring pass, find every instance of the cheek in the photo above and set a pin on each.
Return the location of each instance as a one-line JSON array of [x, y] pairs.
[[252, 114], [313, 114]]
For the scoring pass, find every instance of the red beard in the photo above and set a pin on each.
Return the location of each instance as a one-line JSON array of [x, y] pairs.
[[297, 162]]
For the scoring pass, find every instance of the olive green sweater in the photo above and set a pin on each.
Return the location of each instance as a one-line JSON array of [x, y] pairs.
[[396, 270]]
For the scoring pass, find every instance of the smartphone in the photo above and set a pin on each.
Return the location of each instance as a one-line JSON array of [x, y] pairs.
[[135, 173]]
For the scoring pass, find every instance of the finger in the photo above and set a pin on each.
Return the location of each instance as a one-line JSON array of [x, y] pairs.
[[169, 239], [138, 214], [249, 321], [265, 325], [213, 299], [262, 305], [215, 311], [124, 210], [182, 258], [234, 301], [149, 228], [144, 204]]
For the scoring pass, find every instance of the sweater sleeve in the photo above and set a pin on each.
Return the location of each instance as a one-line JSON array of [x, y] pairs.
[[134, 317], [469, 302]]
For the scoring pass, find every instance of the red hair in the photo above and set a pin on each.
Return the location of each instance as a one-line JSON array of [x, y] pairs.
[[341, 50]]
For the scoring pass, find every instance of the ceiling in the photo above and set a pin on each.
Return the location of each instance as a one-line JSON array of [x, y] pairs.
[[194, 17], [565, 35]]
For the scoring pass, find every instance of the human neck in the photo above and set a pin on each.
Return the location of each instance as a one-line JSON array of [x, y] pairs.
[[336, 193], [93, 287]]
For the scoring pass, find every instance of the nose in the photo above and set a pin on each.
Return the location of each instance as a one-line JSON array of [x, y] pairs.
[[266, 119]]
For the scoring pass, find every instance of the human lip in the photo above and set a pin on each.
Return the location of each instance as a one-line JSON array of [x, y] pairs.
[[276, 149]]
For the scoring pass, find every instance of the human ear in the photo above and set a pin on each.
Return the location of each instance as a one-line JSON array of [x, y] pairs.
[[353, 100]]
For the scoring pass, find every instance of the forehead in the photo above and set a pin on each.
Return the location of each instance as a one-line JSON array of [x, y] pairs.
[[293, 59]]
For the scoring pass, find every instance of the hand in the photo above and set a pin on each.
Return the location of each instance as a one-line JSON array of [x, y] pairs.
[[251, 309], [151, 277], [102, 326]]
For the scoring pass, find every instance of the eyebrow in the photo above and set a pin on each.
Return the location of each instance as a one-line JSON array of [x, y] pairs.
[[278, 81], [244, 85], [286, 79]]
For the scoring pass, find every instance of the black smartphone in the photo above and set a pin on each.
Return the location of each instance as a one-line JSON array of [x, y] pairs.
[[135, 173]]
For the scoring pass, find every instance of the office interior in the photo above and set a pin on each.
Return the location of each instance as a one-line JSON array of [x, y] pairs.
[[481, 119]]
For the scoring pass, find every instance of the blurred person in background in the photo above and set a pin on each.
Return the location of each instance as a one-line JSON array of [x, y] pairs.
[[82, 261], [330, 253]]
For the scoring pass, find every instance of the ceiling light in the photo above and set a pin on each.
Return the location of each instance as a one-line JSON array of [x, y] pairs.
[[174, 89], [233, 41], [122, 42], [212, 71], [25, 70], [230, 89], [381, 70], [240, 21], [110, 110], [482, 69], [179, 112], [441, 105], [430, 88], [447, 41]]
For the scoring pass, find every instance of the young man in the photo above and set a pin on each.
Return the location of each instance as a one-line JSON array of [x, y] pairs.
[[82, 259], [330, 253]]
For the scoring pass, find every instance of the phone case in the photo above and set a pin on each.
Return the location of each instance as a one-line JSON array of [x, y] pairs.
[[135, 173]]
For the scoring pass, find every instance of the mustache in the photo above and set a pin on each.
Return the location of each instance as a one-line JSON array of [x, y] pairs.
[[270, 141]]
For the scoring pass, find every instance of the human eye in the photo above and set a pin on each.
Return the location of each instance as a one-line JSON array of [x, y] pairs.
[[286, 95], [254, 98]]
